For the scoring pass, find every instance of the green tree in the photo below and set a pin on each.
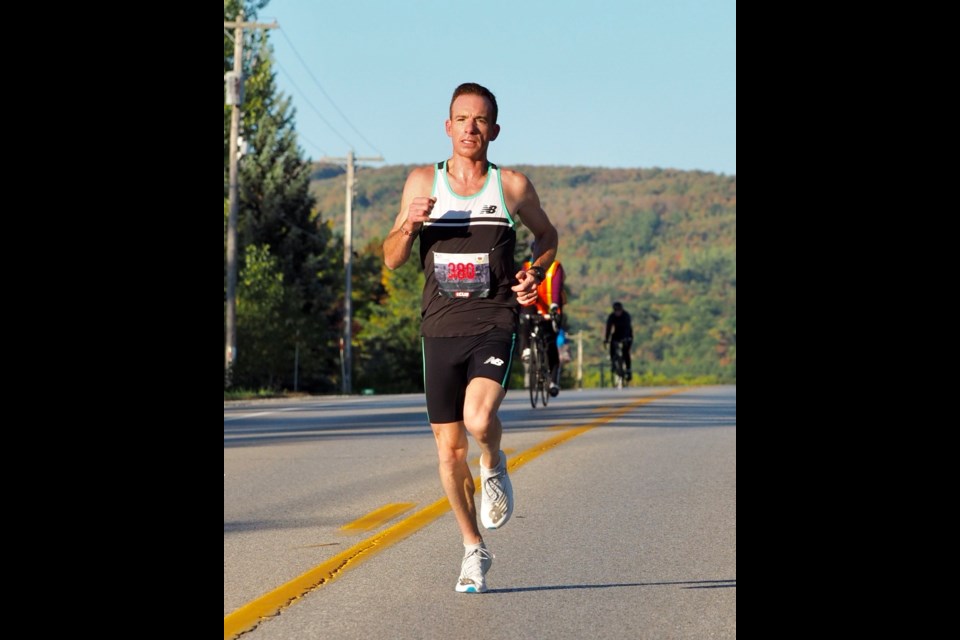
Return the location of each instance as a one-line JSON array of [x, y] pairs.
[[390, 355], [260, 312], [275, 213]]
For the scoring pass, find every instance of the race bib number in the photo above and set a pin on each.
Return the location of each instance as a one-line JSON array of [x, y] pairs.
[[462, 275]]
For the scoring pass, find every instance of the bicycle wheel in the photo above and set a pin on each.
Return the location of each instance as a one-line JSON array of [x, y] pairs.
[[618, 374], [544, 376], [534, 369], [623, 368]]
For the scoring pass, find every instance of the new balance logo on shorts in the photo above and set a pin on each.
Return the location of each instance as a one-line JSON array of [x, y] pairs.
[[494, 360], [490, 209]]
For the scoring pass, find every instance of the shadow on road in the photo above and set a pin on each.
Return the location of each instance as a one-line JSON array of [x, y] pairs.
[[697, 584]]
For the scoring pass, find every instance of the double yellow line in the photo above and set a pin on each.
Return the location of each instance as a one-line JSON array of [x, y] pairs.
[[270, 604]]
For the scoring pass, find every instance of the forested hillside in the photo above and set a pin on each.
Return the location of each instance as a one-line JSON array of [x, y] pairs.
[[661, 241]]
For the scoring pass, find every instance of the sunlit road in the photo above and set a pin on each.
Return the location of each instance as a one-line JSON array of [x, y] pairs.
[[624, 526]]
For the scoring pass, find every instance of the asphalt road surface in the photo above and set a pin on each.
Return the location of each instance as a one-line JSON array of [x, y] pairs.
[[335, 525]]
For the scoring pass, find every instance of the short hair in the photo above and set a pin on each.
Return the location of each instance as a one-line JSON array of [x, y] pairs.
[[617, 306], [472, 88]]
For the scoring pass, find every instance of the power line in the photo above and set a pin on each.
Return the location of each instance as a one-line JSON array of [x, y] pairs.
[[317, 111], [322, 90], [313, 144], [300, 136]]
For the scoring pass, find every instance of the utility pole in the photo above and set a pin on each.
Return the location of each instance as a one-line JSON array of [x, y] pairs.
[[580, 359], [234, 82], [351, 161]]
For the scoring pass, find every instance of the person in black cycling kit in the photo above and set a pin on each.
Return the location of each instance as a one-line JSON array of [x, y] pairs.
[[619, 328]]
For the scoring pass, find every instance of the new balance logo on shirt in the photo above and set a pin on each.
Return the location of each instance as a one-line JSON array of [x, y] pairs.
[[490, 209], [492, 359]]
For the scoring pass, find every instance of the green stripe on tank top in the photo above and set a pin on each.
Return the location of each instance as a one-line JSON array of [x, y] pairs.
[[503, 200]]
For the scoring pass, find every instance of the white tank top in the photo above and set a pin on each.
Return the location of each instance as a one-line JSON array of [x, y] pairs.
[[463, 228]]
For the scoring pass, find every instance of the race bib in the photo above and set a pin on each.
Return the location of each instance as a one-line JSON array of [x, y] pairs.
[[462, 275]]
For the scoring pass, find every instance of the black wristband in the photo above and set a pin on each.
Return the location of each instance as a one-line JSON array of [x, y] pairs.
[[538, 273]]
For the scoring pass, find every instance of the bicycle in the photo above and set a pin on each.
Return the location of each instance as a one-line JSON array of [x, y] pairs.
[[539, 366], [620, 379]]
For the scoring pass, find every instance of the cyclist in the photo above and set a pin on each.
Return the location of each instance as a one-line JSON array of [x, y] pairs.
[[620, 330], [548, 312]]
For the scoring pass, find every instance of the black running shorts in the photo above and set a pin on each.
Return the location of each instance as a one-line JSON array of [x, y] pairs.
[[449, 364]]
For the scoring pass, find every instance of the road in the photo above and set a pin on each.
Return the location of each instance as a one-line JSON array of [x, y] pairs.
[[624, 526]]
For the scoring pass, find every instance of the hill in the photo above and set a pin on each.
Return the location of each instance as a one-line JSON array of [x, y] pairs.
[[661, 241]]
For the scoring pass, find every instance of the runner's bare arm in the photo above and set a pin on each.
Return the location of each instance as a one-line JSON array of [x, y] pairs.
[[415, 207], [523, 200]]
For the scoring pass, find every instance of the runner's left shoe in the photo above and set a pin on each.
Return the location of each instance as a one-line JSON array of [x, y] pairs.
[[496, 495]]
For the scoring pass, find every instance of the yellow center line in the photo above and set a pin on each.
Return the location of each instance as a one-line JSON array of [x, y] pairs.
[[573, 432], [377, 517], [270, 604]]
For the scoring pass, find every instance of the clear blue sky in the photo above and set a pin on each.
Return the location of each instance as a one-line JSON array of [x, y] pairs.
[[609, 83]]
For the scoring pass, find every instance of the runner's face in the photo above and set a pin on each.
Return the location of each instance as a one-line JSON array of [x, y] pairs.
[[470, 126]]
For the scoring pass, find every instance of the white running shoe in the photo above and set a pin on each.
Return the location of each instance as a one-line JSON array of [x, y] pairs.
[[473, 570], [496, 495]]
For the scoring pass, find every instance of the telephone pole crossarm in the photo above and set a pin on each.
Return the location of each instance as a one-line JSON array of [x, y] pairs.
[[251, 25]]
